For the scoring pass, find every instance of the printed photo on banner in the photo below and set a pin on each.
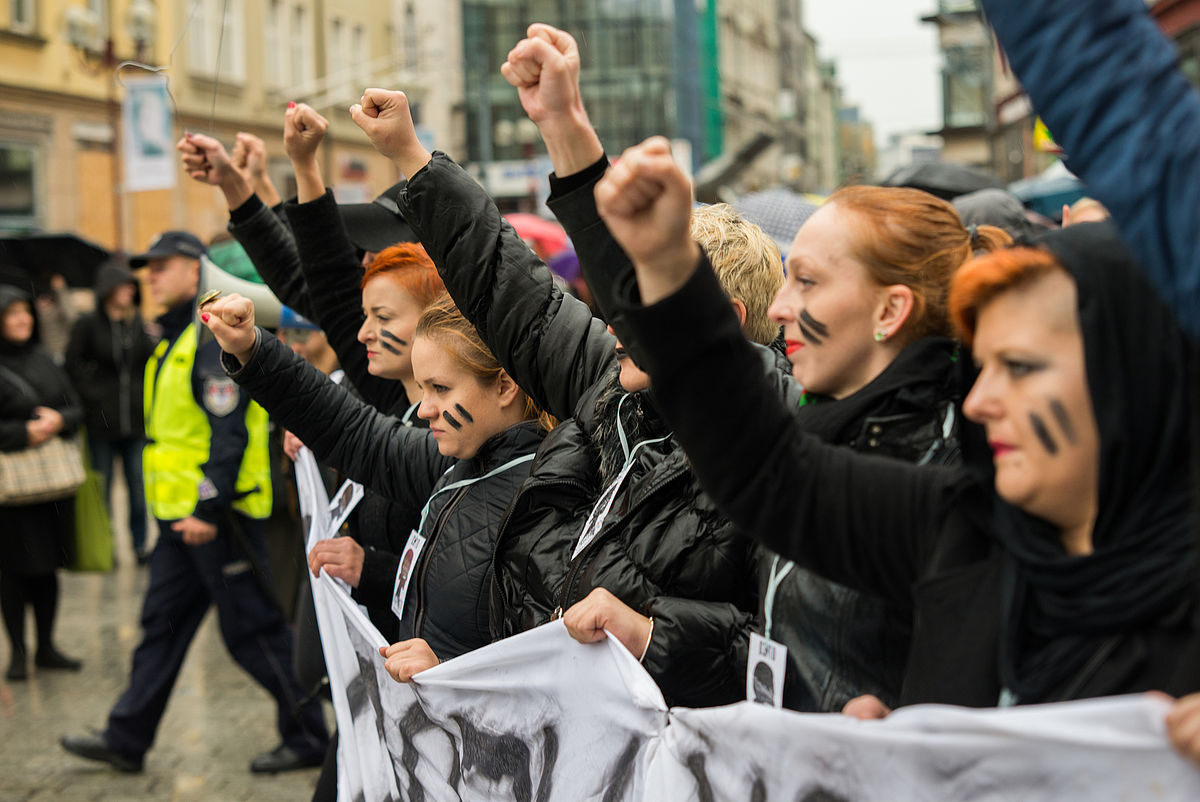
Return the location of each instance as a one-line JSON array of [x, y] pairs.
[[408, 563], [348, 496]]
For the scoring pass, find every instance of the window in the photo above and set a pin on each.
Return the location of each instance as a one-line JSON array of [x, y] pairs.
[[964, 84], [18, 186], [335, 52], [22, 15], [360, 53], [411, 39], [273, 53], [211, 33], [100, 9], [301, 50]]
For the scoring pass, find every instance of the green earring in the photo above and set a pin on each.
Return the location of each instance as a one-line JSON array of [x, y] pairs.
[[879, 335]]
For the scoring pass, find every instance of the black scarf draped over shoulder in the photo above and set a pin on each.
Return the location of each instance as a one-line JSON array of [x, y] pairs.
[[1063, 612]]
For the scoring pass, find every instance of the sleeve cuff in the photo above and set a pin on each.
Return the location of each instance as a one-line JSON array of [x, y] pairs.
[[247, 210], [562, 185], [236, 370]]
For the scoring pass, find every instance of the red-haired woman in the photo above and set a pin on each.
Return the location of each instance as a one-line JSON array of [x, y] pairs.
[[1060, 564], [867, 330]]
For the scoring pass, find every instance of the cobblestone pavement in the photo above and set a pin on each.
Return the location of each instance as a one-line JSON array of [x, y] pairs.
[[217, 720]]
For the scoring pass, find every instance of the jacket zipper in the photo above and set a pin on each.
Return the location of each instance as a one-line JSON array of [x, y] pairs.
[[568, 586], [438, 525], [499, 597]]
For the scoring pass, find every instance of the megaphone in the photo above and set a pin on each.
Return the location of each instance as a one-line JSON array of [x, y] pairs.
[[266, 306]]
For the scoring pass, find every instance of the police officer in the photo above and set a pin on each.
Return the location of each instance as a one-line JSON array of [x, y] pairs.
[[207, 478]]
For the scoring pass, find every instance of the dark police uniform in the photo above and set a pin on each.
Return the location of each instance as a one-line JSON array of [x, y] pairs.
[[207, 457]]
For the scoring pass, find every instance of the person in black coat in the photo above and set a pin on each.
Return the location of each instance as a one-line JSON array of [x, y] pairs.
[[106, 360], [464, 469], [654, 543], [36, 403], [1060, 562]]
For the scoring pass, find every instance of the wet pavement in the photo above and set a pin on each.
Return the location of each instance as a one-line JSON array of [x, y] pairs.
[[217, 720]]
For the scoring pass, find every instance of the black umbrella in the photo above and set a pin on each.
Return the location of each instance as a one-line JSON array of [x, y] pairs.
[[944, 179], [32, 260]]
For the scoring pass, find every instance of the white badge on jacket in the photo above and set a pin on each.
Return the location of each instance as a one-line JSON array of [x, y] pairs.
[[408, 566], [346, 499], [764, 671]]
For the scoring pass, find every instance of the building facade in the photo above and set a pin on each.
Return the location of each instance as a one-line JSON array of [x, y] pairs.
[[967, 78], [61, 93], [709, 74]]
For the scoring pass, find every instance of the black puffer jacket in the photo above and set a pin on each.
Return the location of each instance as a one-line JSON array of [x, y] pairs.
[[324, 286], [447, 604], [664, 550], [106, 360]]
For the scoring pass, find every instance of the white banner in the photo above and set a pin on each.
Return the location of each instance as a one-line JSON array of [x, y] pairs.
[[147, 140], [539, 717]]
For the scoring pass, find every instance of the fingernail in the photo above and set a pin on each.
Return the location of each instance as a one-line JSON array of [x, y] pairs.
[[204, 316], [291, 104]]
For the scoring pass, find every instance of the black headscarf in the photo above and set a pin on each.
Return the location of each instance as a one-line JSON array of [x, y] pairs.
[[1063, 610]]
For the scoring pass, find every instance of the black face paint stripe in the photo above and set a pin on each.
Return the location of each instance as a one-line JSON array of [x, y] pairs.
[[450, 419], [808, 335], [389, 347], [817, 326], [465, 415], [1064, 420], [1043, 434], [388, 335]]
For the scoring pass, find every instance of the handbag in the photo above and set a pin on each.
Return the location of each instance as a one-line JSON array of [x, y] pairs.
[[93, 528], [45, 472]]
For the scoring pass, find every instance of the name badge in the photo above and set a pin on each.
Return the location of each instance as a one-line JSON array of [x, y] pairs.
[[346, 499], [764, 671], [408, 564]]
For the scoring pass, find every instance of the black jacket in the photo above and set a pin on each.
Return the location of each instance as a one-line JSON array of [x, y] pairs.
[[665, 549], [324, 286], [37, 538], [447, 603], [927, 539], [841, 642], [106, 360]]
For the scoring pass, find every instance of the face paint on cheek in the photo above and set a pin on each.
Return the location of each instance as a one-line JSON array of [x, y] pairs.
[[812, 329], [465, 415], [384, 336], [1064, 420], [450, 419], [1043, 434]]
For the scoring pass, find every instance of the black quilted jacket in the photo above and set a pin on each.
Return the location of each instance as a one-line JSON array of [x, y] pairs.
[[664, 550], [447, 603]]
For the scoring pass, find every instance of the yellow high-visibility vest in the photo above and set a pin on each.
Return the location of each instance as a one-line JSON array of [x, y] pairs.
[[178, 437]]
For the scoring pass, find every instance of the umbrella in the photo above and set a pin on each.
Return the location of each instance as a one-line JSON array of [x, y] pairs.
[[1046, 192], [565, 264], [947, 180], [40, 256], [780, 212], [546, 237]]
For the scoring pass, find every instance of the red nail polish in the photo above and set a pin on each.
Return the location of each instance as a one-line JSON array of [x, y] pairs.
[[291, 104], [204, 316]]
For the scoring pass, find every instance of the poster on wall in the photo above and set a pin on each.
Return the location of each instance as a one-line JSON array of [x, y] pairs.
[[147, 144]]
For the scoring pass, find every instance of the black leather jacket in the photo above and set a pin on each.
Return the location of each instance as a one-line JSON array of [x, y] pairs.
[[842, 643]]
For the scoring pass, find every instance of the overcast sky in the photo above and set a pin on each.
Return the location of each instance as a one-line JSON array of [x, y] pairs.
[[887, 59]]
